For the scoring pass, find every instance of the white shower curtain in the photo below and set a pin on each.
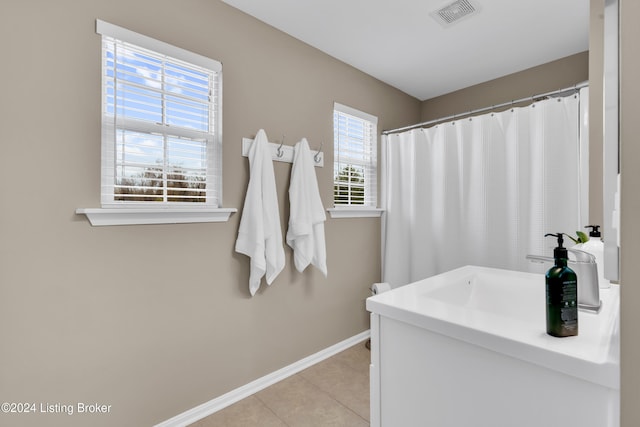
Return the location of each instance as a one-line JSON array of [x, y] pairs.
[[484, 190]]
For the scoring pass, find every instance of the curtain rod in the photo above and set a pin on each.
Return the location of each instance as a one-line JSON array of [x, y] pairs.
[[533, 98]]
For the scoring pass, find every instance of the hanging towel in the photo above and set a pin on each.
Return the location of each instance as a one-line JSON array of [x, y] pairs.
[[306, 221], [260, 234]]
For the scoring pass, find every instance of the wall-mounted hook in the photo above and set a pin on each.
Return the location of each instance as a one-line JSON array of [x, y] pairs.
[[279, 151], [316, 157]]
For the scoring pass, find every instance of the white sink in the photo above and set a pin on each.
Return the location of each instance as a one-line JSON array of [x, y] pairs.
[[505, 310], [496, 319]]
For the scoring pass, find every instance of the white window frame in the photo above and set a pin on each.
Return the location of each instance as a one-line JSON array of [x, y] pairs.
[[370, 163], [115, 212]]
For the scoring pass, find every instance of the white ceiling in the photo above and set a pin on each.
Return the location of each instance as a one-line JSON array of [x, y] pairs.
[[398, 42]]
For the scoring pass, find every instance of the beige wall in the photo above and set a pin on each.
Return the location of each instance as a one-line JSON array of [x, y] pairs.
[[630, 212], [554, 75], [157, 319]]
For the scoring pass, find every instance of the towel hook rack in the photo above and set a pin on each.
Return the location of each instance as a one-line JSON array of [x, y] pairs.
[[279, 151], [316, 157]]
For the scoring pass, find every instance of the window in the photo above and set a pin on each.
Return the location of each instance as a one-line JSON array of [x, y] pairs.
[[161, 123], [355, 158]]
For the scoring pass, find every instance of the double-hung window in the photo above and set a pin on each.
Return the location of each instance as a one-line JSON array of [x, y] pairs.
[[355, 159], [161, 124]]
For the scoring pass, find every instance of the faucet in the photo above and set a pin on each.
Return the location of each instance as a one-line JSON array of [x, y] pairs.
[[585, 267]]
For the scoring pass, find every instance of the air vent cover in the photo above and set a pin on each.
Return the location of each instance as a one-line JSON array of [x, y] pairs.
[[454, 12]]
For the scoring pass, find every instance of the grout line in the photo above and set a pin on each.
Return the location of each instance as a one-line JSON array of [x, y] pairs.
[[330, 391], [343, 365], [269, 408], [331, 396]]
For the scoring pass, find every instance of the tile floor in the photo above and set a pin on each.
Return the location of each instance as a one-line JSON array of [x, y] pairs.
[[334, 392]]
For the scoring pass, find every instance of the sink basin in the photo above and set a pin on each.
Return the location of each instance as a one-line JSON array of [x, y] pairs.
[[497, 292]]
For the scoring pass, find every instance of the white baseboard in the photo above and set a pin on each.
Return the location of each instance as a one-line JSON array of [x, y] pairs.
[[227, 399]]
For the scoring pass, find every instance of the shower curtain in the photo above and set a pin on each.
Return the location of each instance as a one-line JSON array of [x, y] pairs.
[[484, 190]]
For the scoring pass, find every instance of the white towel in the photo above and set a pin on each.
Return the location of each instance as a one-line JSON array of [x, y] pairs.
[[306, 221], [260, 234]]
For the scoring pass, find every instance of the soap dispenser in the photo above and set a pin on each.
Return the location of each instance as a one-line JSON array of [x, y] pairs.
[[562, 294], [595, 246]]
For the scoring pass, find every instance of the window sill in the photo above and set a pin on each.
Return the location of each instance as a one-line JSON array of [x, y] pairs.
[[136, 216], [353, 212]]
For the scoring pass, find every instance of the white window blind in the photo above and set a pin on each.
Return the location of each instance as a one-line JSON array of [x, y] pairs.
[[355, 157], [161, 123]]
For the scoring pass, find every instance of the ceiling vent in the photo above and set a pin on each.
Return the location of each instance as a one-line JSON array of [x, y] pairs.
[[454, 12]]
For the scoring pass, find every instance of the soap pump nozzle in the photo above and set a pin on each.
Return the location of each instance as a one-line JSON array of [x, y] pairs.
[[595, 230], [559, 252]]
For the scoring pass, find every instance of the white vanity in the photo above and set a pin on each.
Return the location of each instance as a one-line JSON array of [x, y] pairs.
[[468, 348]]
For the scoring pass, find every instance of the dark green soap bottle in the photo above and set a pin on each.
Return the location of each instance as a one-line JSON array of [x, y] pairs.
[[562, 295]]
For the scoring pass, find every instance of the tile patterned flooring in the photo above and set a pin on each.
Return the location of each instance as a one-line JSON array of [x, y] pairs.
[[334, 392]]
